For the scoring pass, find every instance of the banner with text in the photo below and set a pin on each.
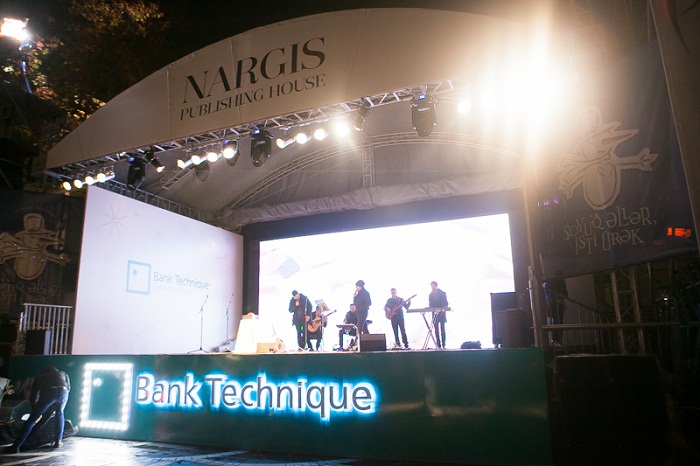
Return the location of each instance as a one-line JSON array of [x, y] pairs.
[[617, 195]]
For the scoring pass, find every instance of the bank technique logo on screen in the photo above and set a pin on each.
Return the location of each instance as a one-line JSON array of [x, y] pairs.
[[138, 278]]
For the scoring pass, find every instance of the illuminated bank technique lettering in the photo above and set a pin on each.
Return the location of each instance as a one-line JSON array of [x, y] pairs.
[[321, 398]]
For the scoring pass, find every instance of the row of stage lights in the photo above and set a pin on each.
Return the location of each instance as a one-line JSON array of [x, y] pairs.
[[261, 142], [88, 180], [423, 117]]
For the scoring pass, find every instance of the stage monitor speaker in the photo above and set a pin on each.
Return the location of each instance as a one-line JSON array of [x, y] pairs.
[[372, 342], [276, 346], [37, 342]]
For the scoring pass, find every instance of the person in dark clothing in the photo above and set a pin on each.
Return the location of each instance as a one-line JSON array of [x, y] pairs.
[[555, 294], [394, 310], [315, 327], [438, 298], [300, 306], [49, 395], [362, 301]]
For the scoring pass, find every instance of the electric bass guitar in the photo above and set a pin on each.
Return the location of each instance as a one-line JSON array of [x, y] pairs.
[[314, 324], [390, 312]]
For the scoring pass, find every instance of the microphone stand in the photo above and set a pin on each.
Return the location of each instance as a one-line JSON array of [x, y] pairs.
[[227, 308], [201, 328]]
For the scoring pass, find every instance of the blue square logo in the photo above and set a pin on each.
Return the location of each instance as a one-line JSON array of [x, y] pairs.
[[138, 278]]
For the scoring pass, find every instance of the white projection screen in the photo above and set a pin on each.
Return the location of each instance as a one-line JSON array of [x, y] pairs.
[[469, 258], [152, 281]]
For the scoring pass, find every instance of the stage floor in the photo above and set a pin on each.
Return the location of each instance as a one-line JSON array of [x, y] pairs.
[[77, 451]]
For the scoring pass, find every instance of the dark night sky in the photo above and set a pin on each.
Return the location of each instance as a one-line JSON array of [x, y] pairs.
[[198, 23]]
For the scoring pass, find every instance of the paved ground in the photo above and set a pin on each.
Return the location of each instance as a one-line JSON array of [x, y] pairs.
[[84, 451]]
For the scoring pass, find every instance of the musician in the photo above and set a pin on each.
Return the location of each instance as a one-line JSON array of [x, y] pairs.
[[300, 307], [350, 318], [438, 298], [394, 310], [362, 301], [315, 327]]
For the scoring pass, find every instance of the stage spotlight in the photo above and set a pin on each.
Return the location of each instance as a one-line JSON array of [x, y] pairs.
[[197, 159], [229, 149], [78, 183], [90, 180], [153, 160], [103, 177], [301, 138], [212, 155], [260, 147], [360, 117], [136, 173], [341, 127], [182, 163], [67, 186], [423, 114], [284, 141], [320, 134]]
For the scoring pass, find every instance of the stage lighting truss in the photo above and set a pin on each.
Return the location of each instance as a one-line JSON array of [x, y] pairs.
[[334, 119]]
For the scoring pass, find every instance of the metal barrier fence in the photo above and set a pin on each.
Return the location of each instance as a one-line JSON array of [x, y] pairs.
[[58, 320]]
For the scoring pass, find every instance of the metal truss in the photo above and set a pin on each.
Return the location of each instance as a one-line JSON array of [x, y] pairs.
[[152, 199], [290, 120]]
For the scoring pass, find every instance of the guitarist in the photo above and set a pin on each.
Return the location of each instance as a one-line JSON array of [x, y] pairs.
[[394, 311]]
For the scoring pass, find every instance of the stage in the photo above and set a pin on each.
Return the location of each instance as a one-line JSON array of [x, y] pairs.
[[463, 406]]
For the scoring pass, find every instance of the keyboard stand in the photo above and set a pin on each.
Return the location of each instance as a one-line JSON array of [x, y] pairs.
[[430, 327]]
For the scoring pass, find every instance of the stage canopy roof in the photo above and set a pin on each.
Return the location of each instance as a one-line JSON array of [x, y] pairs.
[[388, 71]]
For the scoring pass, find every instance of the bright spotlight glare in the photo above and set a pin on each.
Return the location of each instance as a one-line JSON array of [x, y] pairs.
[[78, 183], [14, 28], [301, 138], [196, 159], [90, 180], [212, 156], [341, 128], [67, 186], [229, 151], [464, 106], [320, 134]]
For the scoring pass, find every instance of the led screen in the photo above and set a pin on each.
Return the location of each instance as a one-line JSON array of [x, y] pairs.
[[469, 258]]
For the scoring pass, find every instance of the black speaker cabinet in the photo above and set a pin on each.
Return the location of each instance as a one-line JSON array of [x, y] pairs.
[[37, 342], [372, 342], [509, 328], [501, 302]]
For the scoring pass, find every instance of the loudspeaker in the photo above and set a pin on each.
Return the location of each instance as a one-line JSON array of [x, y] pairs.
[[501, 302], [509, 327], [276, 346], [37, 342], [372, 342]]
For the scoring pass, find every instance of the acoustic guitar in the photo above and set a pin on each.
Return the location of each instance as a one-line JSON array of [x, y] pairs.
[[390, 312], [314, 324]]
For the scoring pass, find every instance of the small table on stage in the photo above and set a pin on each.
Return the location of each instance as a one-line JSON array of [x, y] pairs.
[[429, 325]]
